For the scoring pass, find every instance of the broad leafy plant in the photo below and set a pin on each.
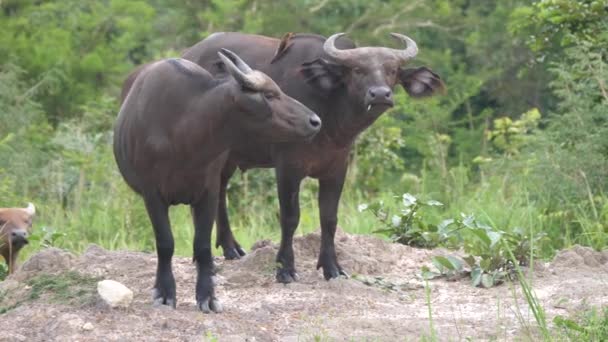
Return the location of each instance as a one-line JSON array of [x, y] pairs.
[[490, 253]]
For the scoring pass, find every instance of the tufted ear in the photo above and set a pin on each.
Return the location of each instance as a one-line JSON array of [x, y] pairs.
[[323, 75], [421, 82]]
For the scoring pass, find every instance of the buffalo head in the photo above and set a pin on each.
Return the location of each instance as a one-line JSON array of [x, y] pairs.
[[15, 225], [369, 74], [264, 108]]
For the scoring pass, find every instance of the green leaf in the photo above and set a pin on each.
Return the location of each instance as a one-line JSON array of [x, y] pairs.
[[408, 200], [428, 275], [444, 224], [470, 260], [468, 221], [434, 203], [476, 276], [487, 280], [483, 236], [494, 238], [567, 323], [485, 264], [457, 263], [443, 261]]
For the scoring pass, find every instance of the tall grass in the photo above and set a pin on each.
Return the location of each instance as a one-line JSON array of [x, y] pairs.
[[100, 208]]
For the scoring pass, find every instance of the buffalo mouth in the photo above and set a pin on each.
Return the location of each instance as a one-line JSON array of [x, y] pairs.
[[18, 243], [379, 105]]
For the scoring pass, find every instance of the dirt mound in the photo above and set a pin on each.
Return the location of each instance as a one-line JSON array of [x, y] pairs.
[[579, 256], [52, 297]]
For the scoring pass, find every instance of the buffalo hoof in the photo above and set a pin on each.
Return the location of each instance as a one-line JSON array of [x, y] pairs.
[[286, 276], [164, 298], [209, 304], [233, 253], [331, 270]]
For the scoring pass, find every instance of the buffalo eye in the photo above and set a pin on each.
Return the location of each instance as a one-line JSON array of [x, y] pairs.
[[271, 96], [358, 70]]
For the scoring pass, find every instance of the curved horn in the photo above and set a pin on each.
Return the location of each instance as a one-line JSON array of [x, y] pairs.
[[237, 60], [408, 53], [411, 49], [30, 210], [330, 49], [241, 72]]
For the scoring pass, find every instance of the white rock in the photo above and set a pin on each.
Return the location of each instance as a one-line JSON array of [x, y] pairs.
[[114, 293], [88, 326]]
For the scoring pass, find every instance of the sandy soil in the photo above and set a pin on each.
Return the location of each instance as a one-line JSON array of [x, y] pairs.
[[258, 309]]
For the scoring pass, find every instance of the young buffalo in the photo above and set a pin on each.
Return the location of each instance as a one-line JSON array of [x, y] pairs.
[[172, 138], [15, 226]]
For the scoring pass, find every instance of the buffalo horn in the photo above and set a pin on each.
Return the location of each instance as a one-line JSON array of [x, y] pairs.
[[240, 70], [403, 55]]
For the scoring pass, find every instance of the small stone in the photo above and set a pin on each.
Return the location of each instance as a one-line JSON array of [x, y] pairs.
[[114, 293], [88, 326]]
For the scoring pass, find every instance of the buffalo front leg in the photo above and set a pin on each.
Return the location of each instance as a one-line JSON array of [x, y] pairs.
[[232, 249], [289, 192], [203, 213], [164, 286], [330, 190], [9, 256]]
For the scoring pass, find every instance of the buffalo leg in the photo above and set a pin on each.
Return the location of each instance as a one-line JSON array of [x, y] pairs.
[[232, 249], [289, 192], [203, 213], [164, 286], [10, 258], [329, 199]]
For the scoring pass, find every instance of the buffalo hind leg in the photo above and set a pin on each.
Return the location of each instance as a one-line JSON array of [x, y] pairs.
[[232, 249], [288, 183], [164, 286], [329, 199], [203, 213]]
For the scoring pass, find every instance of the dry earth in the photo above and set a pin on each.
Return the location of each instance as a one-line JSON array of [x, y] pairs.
[[258, 309]]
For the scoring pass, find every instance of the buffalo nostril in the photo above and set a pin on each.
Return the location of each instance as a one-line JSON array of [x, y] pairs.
[[13, 234], [314, 122], [388, 94], [372, 94]]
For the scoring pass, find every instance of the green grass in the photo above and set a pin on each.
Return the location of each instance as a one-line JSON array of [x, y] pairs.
[[71, 288], [590, 325]]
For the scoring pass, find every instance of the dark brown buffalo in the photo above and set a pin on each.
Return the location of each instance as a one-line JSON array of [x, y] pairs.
[[15, 227], [172, 138], [347, 87]]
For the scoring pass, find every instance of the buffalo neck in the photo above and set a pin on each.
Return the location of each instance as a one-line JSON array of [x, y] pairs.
[[344, 120], [216, 130]]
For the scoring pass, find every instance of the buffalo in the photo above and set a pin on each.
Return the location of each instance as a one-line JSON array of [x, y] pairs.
[[15, 227], [349, 87], [173, 135]]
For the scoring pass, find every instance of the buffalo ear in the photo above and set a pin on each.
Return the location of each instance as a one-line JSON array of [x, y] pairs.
[[421, 82], [323, 75]]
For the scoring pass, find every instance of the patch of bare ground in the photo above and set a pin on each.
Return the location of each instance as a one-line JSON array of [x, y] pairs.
[[256, 308]]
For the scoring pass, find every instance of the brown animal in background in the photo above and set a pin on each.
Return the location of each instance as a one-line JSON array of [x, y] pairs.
[[15, 226]]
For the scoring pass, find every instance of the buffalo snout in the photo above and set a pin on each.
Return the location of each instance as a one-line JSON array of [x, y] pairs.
[[19, 237], [379, 95], [315, 122]]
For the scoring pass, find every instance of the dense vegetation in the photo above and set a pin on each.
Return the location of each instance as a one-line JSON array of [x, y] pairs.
[[520, 139]]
